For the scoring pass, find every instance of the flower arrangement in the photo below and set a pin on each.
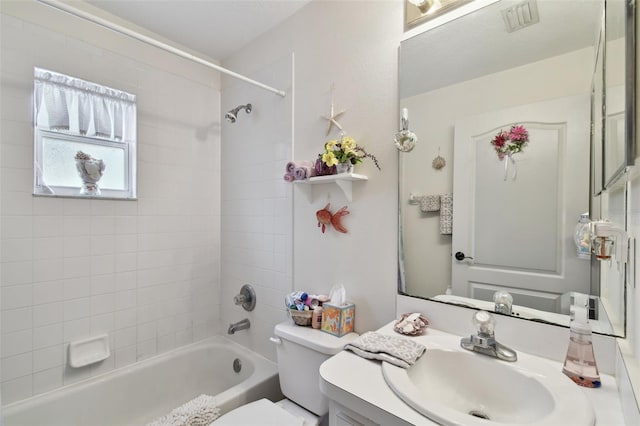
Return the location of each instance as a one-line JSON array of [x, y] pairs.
[[345, 150], [511, 142]]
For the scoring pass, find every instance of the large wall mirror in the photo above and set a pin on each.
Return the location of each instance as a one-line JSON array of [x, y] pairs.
[[493, 219]]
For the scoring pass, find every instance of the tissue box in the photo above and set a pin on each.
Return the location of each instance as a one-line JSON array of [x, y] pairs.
[[338, 319]]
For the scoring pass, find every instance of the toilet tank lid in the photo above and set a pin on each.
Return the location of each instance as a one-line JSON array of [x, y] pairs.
[[313, 339]]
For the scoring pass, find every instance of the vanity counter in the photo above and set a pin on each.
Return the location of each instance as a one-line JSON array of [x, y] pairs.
[[358, 385]]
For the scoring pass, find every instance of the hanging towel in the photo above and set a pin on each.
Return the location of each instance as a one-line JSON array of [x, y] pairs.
[[398, 351], [446, 214], [430, 203], [200, 411]]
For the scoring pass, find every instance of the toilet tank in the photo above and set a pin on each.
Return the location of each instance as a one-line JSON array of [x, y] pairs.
[[301, 350]]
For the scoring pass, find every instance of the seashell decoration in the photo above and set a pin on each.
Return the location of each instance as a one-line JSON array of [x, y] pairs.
[[438, 162], [91, 171]]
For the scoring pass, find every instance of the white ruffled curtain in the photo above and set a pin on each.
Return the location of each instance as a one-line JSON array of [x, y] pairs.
[[75, 106]]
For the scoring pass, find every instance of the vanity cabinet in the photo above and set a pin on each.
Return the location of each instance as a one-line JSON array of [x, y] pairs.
[[342, 416]]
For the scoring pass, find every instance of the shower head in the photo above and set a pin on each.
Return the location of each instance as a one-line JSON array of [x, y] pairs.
[[232, 116]]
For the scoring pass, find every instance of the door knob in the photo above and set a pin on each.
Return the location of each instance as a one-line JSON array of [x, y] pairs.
[[460, 256]]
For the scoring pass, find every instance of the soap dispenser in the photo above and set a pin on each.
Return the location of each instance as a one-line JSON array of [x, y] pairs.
[[580, 363]]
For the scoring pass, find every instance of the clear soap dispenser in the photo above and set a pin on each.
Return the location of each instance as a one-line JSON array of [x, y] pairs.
[[580, 363]]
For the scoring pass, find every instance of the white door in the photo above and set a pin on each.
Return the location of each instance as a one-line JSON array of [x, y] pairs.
[[519, 231]]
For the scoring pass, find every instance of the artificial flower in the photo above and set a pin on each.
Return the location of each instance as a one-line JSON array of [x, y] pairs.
[[346, 150]]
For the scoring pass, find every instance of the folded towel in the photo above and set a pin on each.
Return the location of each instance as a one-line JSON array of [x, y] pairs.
[[293, 165], [446, 214], [290, 167], [394, 350], [302, 172], [289, 177], [200, 411], [430, 203]]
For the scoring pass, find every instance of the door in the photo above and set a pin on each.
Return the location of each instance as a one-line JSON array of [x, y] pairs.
[[515, 223]]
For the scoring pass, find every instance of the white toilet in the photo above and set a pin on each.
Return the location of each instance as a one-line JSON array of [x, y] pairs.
[[301, 350]]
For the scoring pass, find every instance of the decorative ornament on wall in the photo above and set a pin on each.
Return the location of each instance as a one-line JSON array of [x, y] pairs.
[[325, 217], [333, 116], [439, 162], [507, 144]]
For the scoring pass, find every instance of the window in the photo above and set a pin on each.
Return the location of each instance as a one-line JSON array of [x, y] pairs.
[[85, 138]]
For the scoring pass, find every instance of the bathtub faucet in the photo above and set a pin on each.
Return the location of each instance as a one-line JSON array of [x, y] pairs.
[[240, 325]]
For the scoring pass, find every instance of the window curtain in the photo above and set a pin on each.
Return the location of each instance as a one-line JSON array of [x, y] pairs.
[[79, 107]]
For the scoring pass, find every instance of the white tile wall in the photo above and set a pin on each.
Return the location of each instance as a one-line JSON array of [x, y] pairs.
[[145, 271], [257, 205]]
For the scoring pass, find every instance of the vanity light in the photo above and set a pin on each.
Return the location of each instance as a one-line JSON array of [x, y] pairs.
[[423, 5], [418, 11]]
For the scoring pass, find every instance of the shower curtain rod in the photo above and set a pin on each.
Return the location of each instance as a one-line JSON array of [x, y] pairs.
[[153, 42]]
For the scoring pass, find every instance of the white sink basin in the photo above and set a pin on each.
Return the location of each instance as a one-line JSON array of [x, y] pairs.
[[452, 386]]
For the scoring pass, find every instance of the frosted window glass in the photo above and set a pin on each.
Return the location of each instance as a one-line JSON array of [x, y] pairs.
[[59, 165]]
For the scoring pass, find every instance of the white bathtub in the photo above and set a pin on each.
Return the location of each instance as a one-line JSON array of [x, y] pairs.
[[140, 393]]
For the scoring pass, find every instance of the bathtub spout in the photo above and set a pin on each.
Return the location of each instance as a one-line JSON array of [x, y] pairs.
[[240, 325]]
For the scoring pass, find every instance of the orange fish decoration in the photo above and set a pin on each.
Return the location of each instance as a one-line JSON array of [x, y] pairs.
[[325, 217]]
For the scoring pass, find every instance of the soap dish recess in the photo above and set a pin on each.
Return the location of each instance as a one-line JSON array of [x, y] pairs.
[[89, 351]]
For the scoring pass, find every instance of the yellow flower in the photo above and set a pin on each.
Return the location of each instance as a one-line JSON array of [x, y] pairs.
[[349, 151], [348, 143], [330, 145], [329, 159]]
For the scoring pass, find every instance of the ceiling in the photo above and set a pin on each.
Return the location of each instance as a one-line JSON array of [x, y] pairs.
[[215, 28], [478, 44]]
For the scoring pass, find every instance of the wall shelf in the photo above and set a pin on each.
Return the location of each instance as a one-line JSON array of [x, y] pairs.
[[343, 180]]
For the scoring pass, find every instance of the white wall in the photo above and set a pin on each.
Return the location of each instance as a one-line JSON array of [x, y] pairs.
[[257, 215], [355, 48], [145, 271]]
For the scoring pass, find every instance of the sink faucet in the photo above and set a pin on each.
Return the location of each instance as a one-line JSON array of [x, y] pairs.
[[237, 326], [484, 341]]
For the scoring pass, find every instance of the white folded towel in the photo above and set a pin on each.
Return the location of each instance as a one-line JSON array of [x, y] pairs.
[[394, 350], [200, 411]]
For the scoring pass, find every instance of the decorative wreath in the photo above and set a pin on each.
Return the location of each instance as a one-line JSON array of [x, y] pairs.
[[511, 142]]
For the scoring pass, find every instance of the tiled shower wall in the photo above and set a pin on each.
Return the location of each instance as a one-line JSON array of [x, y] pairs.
[[145, 272], [256, 211]]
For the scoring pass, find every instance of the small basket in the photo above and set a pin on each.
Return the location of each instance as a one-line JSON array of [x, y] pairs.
[[302, 318]]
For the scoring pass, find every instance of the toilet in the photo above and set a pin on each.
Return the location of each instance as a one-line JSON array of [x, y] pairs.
[[300, 350]]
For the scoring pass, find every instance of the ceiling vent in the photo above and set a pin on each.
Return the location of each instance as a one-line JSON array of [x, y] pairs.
[[520, 15]]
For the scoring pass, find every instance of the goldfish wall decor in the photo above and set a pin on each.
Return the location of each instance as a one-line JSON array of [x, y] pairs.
[[325, 217]]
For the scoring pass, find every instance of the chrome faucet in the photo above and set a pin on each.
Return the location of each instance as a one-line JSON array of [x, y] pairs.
[[484, 341], [237, 326]]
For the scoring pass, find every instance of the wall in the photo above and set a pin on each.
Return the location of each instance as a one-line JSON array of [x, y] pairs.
[[354, 48], [434, 116], [145, 271], [363, 68], [256, 208]]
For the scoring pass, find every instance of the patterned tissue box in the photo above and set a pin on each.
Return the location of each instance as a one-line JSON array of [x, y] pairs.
[[338, 319]]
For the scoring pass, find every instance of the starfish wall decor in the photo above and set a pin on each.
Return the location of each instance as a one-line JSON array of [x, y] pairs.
[[333, 116]]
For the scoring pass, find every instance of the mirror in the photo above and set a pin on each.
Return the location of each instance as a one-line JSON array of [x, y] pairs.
[[513, 222], [619, 146]]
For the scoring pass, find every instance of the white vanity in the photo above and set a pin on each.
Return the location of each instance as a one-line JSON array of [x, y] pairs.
[[360, 394]]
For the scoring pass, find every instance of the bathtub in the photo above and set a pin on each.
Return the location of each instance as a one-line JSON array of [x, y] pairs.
[[142, 392]]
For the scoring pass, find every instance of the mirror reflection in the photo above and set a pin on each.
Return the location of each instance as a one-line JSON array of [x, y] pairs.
[[507, 106]]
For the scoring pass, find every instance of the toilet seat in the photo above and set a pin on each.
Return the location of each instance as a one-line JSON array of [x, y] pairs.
[[262, 412]]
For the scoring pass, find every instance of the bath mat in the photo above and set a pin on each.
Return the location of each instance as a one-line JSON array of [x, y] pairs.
[[200, 411]]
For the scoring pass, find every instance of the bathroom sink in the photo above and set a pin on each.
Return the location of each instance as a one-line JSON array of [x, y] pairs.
[[452, 386]]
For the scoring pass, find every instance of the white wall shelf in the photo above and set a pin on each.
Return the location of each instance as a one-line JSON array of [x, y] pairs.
[[343, 180]]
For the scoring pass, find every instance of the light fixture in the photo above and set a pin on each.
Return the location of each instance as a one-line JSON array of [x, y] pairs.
[[418, 11], [423, 5]]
